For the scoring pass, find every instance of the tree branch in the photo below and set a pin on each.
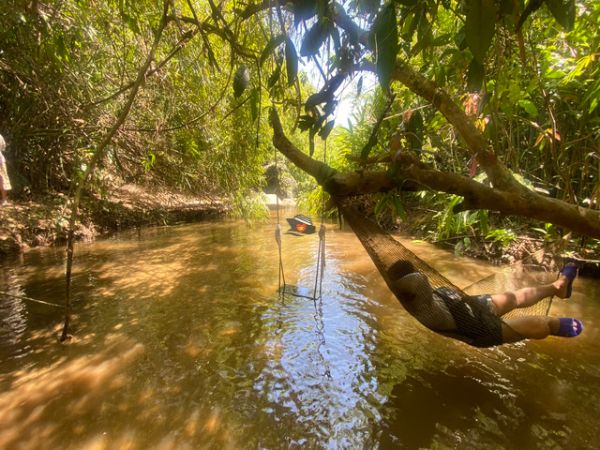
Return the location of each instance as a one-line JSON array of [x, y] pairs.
[[410, 174], [507, 194], [80, 183], [498, 174], [321, 171], [188, 36]]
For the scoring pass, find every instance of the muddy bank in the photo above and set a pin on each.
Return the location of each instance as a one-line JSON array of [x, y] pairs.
[[44, 221]]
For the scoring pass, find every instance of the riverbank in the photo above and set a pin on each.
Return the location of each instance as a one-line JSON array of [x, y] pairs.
[[43, 221], [507, 246]]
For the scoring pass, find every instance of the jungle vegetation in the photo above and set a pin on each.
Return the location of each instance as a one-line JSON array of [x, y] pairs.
[[480, 110]]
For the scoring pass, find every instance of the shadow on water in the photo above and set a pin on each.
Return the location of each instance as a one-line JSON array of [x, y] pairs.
[[464, 407], [182, 340]]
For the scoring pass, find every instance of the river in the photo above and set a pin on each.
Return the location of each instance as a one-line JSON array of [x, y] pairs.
[[181, 340]]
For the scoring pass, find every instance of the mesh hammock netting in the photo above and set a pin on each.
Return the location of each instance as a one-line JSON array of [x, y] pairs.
[[474, 322]]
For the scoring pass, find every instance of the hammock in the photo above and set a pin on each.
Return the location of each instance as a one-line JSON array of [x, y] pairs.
[[394, 261]]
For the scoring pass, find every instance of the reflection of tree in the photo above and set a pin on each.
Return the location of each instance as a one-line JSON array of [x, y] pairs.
[[190, 296], [320, 333], [13, 313], [465, 406], [319, 372]]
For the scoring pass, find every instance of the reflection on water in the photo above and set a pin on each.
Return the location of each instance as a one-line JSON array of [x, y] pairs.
[[182, 341]]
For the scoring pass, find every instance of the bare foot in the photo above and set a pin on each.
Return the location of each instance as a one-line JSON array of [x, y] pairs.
[[565, 281], [561, 286]]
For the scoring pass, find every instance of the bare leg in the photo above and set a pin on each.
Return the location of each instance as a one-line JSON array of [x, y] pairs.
[[522, 298], [533, 327]]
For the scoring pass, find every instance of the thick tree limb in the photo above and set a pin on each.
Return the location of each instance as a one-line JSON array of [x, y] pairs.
[[507, 195], [526, 203], [498, 174], [478, 145], [410, 174], [321, 171], [346, 184]]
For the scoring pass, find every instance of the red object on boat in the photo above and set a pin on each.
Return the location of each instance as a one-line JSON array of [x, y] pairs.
[[301, 224]]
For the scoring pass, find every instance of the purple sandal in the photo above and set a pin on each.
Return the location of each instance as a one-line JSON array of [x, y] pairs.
[[569, 327], [569, 271]]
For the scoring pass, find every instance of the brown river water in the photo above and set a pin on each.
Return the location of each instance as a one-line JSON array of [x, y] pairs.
[[182, 341]]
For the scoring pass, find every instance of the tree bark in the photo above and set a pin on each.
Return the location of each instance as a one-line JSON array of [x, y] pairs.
[[506, 194]]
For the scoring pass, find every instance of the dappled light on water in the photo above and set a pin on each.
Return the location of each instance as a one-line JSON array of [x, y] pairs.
[[182, 340], [38, 402]]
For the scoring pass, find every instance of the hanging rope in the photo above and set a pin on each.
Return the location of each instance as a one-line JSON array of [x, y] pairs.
[[321, 251], [281, 272], [320, 263], [322, 229], [320, 267], [278, 240], [29, 299]]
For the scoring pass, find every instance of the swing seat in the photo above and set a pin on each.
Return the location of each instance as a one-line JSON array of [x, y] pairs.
[[298, 291], [300, 224]]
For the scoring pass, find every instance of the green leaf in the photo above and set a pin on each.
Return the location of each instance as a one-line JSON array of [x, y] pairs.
[[409, 26], [480, 26], [305, 122], [317, 99], [274, 42], [399, 209], [311, 142], [592, 96], [150, 160], [529, 107], [359, 86], [424, 36], [274, 77], [326, 130], [291, 61], [385, 33], [460, 39], [303, 10], [552, 74], [380, 207], [443, 39], [62, 52], [313, 39], [241, 80], [563, 11]]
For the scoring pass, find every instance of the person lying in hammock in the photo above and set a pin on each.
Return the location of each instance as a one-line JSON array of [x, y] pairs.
[[477, 319]]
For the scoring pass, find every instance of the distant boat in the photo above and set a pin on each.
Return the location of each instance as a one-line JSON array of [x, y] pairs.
[[301, 224]]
